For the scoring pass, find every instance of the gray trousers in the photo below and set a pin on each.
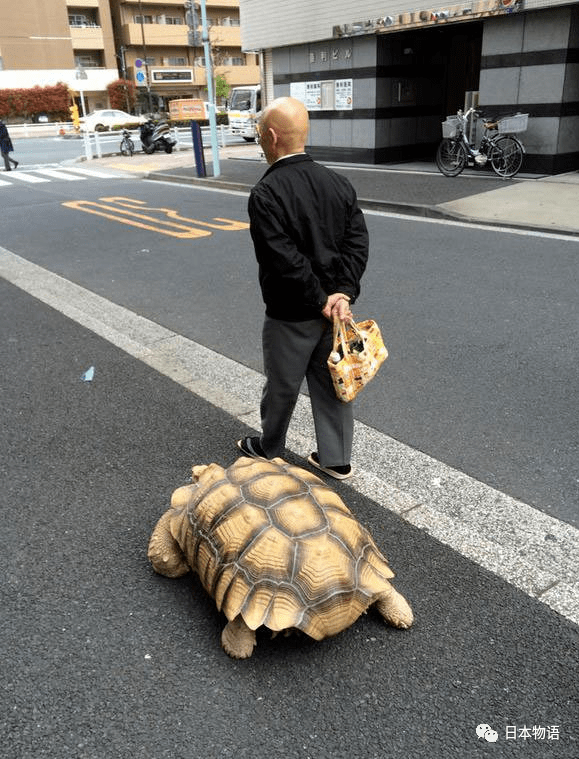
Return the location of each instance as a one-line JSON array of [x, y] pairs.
[[8, 160], [292, 351]]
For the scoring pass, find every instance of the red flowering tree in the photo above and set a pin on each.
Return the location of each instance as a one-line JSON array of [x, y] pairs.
[[122, 94], [25, 103]]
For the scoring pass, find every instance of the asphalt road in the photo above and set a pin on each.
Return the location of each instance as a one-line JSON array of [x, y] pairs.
[[102, 658], [481, 326]]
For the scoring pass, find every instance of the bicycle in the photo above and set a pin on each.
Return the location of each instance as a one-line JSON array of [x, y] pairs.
[[497, 144], [127, 145]]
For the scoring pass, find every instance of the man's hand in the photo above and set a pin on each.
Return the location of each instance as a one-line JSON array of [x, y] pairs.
[[337, 306]]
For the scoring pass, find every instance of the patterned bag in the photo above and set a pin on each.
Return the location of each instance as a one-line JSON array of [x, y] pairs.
[[357, 355]]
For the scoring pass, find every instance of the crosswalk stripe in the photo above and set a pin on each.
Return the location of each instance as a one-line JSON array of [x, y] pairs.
[[91, 172], [22, 176], [55, 174], [70, 174]]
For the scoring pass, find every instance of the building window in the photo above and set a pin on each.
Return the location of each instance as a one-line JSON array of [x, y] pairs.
[[174, 20], [88, 60], [176, 61], [145, 19], [82, 20]]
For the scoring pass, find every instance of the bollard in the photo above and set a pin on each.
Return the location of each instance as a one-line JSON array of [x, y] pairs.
[[198, 149]]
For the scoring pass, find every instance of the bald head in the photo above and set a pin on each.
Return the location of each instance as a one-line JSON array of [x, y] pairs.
[[283, 128]]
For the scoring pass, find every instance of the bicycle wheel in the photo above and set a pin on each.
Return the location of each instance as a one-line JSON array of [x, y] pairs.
[[127, 146], [451, 157], [506, 156]]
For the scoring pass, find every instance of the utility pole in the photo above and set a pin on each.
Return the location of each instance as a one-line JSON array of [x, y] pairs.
[[193, 21], [145, 58]]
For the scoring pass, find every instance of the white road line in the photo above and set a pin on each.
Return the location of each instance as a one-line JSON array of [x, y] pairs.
[[23, 176], [56, 174], [93, 172], [3, 183], [527, 548], [490, 227]]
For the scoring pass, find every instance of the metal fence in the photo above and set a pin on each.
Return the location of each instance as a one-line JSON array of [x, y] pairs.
[[97, 144]]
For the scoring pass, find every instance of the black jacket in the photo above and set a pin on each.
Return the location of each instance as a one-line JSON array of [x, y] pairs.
[[309, 235]]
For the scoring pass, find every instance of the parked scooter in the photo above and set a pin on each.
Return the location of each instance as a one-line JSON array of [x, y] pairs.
[[155, 135]]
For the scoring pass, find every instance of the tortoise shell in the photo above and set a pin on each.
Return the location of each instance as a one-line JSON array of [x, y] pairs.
[[275, 545]]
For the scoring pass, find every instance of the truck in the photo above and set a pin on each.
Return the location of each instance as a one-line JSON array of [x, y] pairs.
[[244, 110]]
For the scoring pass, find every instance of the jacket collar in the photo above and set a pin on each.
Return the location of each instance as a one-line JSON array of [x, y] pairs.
[[299, 158]]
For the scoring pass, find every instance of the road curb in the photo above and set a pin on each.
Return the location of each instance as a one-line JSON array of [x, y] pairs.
[[406, 209]]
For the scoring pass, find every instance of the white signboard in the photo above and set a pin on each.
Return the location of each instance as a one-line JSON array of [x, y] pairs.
[[298, 91], [343, 95], [313, 99]]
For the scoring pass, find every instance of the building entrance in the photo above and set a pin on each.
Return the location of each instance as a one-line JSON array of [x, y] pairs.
[[422, 77]]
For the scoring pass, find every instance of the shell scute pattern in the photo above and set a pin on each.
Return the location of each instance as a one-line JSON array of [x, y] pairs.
[[323, 569], [298, 517], [279, 547], [276, 547], [238, 529]]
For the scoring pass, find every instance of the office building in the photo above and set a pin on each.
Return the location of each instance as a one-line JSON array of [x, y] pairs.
[[379, 77]]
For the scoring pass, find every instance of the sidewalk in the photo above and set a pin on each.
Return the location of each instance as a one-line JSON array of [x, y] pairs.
[[532, 202]]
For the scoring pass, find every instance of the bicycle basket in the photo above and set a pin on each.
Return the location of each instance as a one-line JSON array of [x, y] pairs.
[[513, 124], [450, 126]]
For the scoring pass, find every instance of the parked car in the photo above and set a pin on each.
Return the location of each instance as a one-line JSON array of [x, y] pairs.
[[98, 121]]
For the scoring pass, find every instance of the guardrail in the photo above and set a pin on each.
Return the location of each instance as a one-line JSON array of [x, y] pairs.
[[97, 144], [42, 129]]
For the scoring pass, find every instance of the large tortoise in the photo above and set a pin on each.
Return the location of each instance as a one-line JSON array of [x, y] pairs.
[[277, 547]]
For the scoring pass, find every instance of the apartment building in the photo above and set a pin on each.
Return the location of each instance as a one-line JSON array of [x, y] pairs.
[[87, 44], [70, 41], [153, 39]]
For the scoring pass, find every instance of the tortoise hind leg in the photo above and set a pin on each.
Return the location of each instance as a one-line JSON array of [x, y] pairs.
[[164, 552], [238, 639], [395, 608]]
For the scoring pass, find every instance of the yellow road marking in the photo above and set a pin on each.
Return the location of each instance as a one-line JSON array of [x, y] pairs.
[[129, 211]]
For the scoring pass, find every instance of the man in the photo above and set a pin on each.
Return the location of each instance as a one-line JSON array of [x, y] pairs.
[[6, 147], [311, 244]]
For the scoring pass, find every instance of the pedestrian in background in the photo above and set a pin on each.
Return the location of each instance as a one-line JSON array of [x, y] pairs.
[[6, 147], [311, 244]]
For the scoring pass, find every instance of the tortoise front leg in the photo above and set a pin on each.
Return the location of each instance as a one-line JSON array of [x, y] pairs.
[[395, 608], [238, 639]]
